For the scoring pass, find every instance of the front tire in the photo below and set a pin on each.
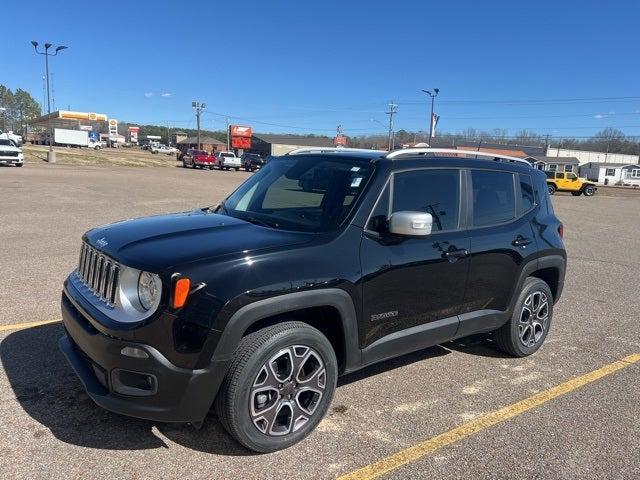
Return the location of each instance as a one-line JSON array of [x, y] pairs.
[[552, 189], [529, 324], [279, 386], [589, 191]]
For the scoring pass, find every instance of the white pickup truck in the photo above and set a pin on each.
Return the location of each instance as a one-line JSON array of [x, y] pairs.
[[17, 139], [227, 161], [163, 149], [10, 154]]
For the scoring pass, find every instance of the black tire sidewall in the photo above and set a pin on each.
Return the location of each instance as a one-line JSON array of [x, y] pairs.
[[588, 191], [250, 435], [552, 189], [531, 284]]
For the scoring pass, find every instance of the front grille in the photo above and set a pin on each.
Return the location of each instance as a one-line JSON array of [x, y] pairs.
[[8, 154], [100, 273]]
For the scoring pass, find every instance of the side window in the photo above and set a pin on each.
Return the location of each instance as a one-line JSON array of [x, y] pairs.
[[559, 176], [568, 168], [493, 197], [431, 191], [378, 219], [571, 176], [527, 198]]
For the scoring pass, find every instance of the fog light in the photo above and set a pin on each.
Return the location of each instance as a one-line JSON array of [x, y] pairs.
[[134, 352], [133, 383]]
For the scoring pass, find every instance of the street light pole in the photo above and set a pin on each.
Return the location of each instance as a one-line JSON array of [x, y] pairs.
[[433, 99], [51, 155]]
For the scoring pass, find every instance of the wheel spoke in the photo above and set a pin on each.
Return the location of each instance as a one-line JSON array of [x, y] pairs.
[[287, 390]]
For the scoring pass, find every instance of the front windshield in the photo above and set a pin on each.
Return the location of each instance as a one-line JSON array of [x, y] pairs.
[[8, 143], [302, 193]]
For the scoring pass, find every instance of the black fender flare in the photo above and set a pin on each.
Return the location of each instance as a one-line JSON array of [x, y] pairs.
[[246, 316], [546, 261]]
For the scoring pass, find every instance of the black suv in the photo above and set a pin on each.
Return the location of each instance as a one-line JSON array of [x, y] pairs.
[[257, 305], [252, 161]]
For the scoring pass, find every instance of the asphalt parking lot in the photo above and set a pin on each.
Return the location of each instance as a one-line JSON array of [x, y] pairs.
[[49, 428]]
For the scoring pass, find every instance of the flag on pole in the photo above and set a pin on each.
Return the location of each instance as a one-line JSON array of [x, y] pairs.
[[434, 122]]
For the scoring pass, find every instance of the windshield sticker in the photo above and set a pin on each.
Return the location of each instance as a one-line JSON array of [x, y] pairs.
[[355, 169], [356, 182]]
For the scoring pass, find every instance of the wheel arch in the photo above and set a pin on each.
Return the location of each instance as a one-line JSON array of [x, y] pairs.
[[329, 310]]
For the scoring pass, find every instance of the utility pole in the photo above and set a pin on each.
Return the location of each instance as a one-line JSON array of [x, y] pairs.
[[199, 107], [168, 135], [226, 122], [51, 155], [546, 144], [433, 96], [393, 109]]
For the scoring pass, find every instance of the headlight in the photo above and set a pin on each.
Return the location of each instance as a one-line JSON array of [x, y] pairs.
[[149, 290]]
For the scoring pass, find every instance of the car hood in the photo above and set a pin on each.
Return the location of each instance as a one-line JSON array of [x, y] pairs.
[[9, 148], [159, 242]]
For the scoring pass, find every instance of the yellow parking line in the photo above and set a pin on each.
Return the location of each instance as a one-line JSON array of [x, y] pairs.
[[22, 326], [429, 446]]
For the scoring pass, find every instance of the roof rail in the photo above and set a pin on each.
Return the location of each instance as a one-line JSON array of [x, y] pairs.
[[493, 156], [298, 151]]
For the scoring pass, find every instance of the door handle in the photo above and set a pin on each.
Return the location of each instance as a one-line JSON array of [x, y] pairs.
[[453, 255], [521, 241]]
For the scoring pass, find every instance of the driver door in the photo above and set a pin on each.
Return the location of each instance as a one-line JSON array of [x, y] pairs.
[[413, 286]]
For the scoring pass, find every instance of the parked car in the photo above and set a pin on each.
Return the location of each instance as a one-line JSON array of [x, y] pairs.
[[252, 161], [227, 160], [16, 139], [198, 158], [569, 182], [257, 306], [163, 149], [10, 154]]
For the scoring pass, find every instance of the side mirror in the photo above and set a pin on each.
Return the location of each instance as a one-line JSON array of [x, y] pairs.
[[412, 224]]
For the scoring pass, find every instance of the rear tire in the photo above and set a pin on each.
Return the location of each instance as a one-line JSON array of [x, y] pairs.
[[552, 189], [529, 324], [267, 411]]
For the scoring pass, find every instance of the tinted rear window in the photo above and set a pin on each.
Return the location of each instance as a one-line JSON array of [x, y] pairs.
[[493, 197], [527, 197]]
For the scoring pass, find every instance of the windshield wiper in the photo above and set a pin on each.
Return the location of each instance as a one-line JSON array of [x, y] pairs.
[[263, 223]]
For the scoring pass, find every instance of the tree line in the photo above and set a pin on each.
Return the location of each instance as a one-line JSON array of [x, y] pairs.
[[17, 108]]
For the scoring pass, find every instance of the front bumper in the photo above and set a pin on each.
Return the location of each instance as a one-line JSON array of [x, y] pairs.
[[180, 394], [11, 160]]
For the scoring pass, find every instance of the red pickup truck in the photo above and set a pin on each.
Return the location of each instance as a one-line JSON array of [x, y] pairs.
[[198, 158]]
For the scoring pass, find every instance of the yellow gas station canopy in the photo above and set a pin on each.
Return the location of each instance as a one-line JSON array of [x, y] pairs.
[[66, 118]]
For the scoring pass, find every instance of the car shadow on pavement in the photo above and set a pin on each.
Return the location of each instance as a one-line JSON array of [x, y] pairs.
[[48, 390], [480, 345]]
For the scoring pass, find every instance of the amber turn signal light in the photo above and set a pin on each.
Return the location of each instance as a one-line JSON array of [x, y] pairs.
[[181, 292]]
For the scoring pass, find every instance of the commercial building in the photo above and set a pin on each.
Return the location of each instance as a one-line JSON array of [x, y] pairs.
[[584, 156], [209, 144], [612, 173], [554, 164], [272, 144]]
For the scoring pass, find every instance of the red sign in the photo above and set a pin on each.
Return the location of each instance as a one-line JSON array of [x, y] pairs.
[[241, 142], [239, 131], [340, 140]]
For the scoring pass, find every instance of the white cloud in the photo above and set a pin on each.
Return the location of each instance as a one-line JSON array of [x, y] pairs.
[[165, 94], [599, 115], [148, 94]]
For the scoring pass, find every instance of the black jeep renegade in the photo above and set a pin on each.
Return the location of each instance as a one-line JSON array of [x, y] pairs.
[[318, 265]]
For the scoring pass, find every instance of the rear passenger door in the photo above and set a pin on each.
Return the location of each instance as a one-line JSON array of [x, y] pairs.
[[502, 204]]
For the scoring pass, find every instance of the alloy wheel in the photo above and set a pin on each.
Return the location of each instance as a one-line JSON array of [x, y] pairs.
[[534, 318], [287, 390]]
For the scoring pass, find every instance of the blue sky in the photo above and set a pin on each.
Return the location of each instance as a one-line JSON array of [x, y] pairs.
[[306, 66]]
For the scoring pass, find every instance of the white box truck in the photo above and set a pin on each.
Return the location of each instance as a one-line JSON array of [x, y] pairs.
[[70, 138]]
